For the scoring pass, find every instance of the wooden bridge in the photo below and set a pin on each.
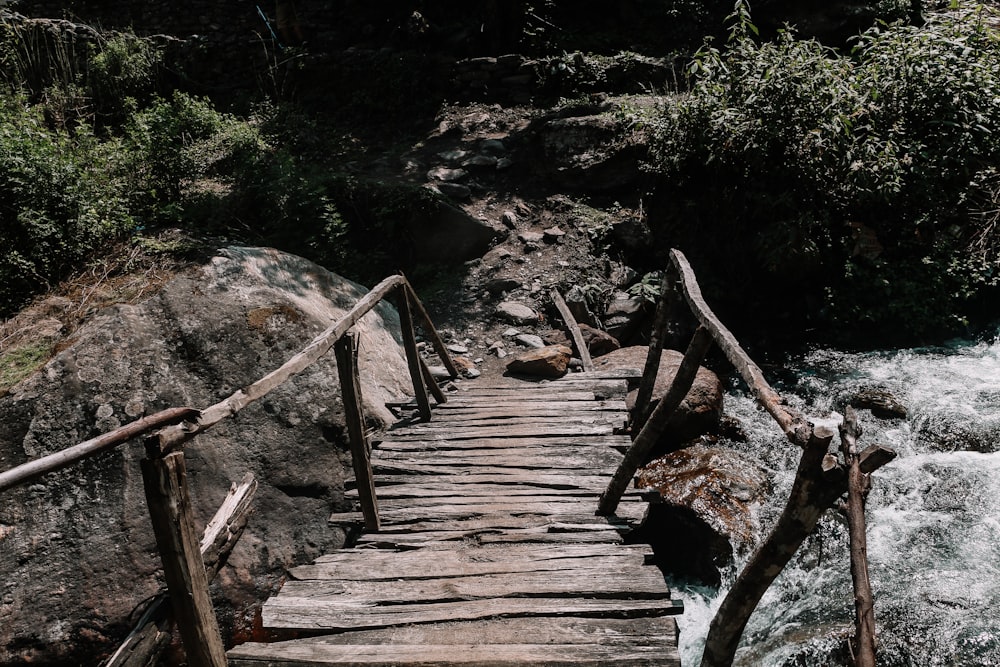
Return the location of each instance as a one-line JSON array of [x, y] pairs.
[[489, 552]]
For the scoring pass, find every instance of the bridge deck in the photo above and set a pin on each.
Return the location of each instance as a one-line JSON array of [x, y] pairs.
[[489, 553]]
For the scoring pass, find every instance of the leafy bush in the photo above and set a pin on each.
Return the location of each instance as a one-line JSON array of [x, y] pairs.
[[852, 180], [59, 201]]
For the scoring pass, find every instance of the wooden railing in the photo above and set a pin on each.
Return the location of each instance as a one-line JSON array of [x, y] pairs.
[[189, 563], [821, 479]]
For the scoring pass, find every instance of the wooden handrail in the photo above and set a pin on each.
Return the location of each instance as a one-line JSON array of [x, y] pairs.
[[67, 457]]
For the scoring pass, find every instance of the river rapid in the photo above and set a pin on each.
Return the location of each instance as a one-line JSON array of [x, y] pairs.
[[933, 518]]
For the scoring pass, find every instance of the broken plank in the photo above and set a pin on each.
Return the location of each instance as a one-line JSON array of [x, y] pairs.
[[313, 615]]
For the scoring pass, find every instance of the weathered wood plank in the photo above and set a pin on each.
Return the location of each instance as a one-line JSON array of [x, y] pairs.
[[583, 458], [642, 583], [601, 441], [515, 431], [574, 330], [607, 420], [385, 565], [345, 616], [445, 490], [346, 351], [451, 511], [556, 479], [511, 406], [468, 655]]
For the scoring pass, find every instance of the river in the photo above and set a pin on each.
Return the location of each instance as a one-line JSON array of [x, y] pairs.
[[933, 518]]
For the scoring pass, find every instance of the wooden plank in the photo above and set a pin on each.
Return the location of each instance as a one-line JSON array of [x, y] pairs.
[[412, 354], [572, 393], [641, 583], [453, 410], [432, 432], [585, 459], [611, 441], [346, 350], [467, 655], [495, 522], [574, 330], [385, 565], [556, 479], [345, 616], [165, 482], [446, 490], [605, 421], [541, 536], [450, 511], [652, 631]]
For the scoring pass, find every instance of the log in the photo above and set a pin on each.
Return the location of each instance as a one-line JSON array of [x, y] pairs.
[[748, 370], [346, 350], [165, 481], [89, 448], [650, 433], [174, 436], [640, 412], [574, 330], [412, 354], [858, 484], [151, 635]]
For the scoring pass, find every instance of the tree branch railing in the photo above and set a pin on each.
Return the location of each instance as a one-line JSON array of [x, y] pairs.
[[821, 478], [189, 563]]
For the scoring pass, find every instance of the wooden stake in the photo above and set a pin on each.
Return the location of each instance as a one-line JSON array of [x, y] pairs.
[[346, 350], [858, 484], [641, 410], [151, 635], [431, 383], [645, 441], [412, 355], [574, 330], [165, 481]]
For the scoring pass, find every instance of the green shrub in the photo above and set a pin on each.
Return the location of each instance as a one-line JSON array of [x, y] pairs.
[[786, 154], [60, 200]]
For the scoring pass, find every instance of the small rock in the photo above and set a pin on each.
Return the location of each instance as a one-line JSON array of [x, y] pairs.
[[550, 362], [471, 373], [530, 340], [516, 313], [510, 333], [500, 285], [453, 156], [439, 372], [457, 349], [881, 402], [447, 175], [553, 235], [597, 341], [530, 237], [504, 163], [509, 219], [462, 363]]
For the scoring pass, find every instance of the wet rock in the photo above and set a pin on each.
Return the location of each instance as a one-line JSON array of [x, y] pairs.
[[881, 402], [709, 495], [955, 432], [698, 413], [516, 313], [551, 361], [86, 532]]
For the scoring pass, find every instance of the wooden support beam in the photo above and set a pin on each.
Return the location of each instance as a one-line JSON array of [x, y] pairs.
[[151, 635], [858, 484], [346, 350], [412, 354], [574, 330], [165, 481], [431, 383], [67, 457], [644, 442], [748, 370], [430, 331], [640, 413]]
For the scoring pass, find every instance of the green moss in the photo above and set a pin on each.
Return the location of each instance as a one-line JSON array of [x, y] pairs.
[[21, 362]]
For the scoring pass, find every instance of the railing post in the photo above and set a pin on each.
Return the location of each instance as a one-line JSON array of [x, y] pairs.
[[650, 433], [656, 339], [412, 355], [346, 350], [165, 481]]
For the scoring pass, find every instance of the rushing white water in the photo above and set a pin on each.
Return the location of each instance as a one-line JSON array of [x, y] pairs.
[[933, 519]]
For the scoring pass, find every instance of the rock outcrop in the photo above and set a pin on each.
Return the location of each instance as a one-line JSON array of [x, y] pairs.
[[76, 548], [550, 361]]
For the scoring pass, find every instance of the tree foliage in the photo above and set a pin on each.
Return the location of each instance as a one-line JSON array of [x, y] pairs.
[[857, 186]]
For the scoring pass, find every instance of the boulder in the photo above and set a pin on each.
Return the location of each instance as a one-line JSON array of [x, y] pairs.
[[881, 402], [441, 232], [76, 547], [698, 413], [547, 362], [710, 496], [625, 316], [598, 342]]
